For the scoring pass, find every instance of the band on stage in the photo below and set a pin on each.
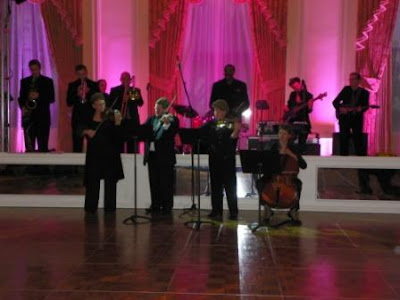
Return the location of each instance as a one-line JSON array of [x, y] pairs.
[[106, 125]]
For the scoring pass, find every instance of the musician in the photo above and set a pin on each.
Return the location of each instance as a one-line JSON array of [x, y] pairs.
[[233, 91], [222, 135], [123, 94], [350, 105], [102, 83], [78, 95], [160, 156], [103, 158], [36, 95], [298, 97], [282, 151]]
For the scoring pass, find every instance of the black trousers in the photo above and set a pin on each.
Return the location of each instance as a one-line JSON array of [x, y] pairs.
[[301, 133], [36, 132], [223, 177], [93, 192], [350, 124], [77, 139], [161, 178]]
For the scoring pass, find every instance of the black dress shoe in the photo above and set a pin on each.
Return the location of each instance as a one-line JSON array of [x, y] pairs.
[[233, 217], [215, 216], [152, 210]]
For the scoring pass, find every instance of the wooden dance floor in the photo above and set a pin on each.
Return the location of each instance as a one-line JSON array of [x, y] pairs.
[[58, 253]]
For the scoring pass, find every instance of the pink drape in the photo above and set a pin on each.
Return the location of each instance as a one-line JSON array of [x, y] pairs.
[[167, 19], [217, 33], [269, 27], [376, 19], [65, 40]]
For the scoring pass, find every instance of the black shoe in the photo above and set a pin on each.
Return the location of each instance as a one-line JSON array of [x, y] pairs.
[[152, 210], [233, 217], [166, 212], [215, 216], [366, 191]]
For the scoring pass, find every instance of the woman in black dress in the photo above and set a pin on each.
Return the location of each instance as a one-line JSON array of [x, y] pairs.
[[103, 159]]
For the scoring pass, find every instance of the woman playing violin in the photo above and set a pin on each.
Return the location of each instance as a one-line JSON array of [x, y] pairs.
[[103, 159], [290, 160]]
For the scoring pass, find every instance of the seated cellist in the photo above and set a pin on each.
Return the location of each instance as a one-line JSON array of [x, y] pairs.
[[282, 179]]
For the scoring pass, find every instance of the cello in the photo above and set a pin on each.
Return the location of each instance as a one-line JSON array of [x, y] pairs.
[[281, 191]]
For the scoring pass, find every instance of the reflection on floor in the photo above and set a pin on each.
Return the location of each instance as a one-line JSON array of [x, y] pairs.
[[51, 253]]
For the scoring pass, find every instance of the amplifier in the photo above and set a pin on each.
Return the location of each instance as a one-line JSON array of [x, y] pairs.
[[266, 142]]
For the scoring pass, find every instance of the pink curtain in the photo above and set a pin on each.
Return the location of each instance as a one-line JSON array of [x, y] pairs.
[[65, 40], [376, 19], [167, 19], [217, 33], [269, 19]]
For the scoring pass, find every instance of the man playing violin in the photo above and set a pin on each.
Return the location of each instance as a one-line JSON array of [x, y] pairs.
[[160, 157], [222, 135], [103, 158], [350, 105], [128, 99]]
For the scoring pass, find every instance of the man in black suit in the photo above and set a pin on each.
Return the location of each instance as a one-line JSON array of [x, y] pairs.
[[160, 156], [350, 105], [78, 95], [36, 95], [233, 91], [127, 99]]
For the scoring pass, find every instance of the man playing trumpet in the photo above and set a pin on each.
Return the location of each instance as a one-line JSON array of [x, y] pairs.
[[128, 98]]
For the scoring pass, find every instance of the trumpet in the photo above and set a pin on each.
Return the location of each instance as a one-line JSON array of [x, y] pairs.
[[31, 104], [82, 89], [134, 94]]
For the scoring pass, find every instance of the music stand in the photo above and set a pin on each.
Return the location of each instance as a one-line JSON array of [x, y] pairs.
[[191, 136], [139, 132], [258, 162]]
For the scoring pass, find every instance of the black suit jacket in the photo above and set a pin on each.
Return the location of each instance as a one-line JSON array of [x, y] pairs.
[[165, 144], [302, 115], [117, 94], [80, 111], [235, 94], [45, 87], [344, 98]]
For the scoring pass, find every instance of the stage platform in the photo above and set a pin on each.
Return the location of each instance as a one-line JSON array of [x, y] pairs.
[[329, 183]]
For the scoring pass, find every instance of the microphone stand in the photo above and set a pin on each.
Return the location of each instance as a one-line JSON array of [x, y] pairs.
[[193, 207]]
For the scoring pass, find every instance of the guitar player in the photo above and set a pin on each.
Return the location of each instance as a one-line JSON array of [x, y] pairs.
[[350, 105], [301, 120]]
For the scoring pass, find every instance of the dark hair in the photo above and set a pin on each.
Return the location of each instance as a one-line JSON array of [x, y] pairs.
[[287, 128], [293, 80], [230, 66], [80, 67], [100, 80], [97, 96], [34, 62], [358, 76]]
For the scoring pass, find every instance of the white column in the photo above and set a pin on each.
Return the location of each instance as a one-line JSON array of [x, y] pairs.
[[120, 39]]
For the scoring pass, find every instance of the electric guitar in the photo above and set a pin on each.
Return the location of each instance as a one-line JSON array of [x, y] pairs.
[[290, 114], [352, 109]]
